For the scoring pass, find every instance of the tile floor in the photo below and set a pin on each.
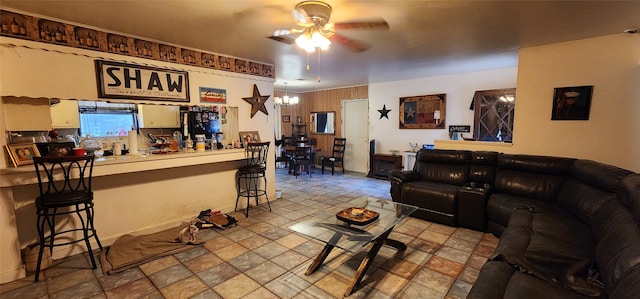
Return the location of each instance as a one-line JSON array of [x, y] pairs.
[[262, 258]]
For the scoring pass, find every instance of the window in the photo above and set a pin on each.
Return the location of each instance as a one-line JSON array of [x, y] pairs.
[[101, 119], [494, 115]]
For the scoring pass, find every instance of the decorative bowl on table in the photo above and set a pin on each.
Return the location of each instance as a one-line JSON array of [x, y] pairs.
[[357, 216]]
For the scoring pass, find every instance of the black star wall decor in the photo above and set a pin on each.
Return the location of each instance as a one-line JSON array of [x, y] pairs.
[[257, 102], [384, 112]]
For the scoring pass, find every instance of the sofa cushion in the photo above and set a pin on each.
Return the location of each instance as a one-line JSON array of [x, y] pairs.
[[553, 247], [439, 201], [592, 184], [443, 166], [501, 205], [483, 167], [628, 285], [629, 194], [500, 280], [534, 177], [618, 249]]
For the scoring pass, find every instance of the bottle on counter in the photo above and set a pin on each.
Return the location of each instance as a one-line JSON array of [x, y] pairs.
[[177, 136], [188, 145], [199, 142]]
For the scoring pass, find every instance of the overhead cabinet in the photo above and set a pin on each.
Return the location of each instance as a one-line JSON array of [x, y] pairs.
[[65, 114], [159, 116]]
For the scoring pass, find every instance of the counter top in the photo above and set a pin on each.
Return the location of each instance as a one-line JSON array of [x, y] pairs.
[[110, 165]]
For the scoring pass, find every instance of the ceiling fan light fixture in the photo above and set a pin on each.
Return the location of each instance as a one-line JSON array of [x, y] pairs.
[[304, 41], [320, 41], [312, 39]]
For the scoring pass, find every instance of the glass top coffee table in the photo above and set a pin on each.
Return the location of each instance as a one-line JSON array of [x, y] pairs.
[[355, 225]]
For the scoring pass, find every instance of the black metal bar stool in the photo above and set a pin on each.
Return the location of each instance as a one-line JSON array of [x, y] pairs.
[[250, 174], [65, 190]]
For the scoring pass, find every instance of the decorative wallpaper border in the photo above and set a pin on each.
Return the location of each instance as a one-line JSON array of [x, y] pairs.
[[53, 32]]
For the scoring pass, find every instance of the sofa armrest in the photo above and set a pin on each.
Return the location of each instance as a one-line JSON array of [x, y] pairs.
[[397, 178], [472, 205], [404, 176]]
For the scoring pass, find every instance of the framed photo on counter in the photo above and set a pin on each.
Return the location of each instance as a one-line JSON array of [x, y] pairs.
[[249, 136], [22, 153]]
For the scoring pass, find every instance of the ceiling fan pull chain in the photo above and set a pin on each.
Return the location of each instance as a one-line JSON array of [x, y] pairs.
[[308, 68], [319, 66]]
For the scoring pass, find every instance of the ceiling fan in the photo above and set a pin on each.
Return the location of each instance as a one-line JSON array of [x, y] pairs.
[[317, 32]]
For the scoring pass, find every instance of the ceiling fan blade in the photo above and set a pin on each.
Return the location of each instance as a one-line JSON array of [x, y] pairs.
[[300, 15], [283, 39], [379, 24], [282, 32], [351, 44]]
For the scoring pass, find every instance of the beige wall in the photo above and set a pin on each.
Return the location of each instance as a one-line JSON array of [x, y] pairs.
[[128, 203], [612, 134]]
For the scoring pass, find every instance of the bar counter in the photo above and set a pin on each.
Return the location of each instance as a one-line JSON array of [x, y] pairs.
[[111, 165], [132, 195]]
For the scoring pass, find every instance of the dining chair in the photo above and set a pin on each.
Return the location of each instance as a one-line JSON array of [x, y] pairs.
[[337, 155], [302, 158]]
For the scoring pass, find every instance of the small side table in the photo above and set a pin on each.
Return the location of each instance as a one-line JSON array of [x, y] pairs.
[[472, 205], [384, 164]]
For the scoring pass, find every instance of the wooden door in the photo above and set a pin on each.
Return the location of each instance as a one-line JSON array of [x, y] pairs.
[[355, 125]]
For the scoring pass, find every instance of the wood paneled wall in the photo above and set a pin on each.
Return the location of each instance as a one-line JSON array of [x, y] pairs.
[[317, 101]]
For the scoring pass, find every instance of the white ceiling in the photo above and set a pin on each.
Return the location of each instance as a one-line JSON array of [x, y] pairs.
[[426, 38]]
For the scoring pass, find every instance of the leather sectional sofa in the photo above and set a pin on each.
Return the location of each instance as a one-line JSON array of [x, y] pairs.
[[568, 228]]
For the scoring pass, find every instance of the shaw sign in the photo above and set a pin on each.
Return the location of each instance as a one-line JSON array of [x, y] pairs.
[[130, 81]]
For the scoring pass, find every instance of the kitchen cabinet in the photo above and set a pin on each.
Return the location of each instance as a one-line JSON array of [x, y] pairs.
[[159, 116], [26, 114], [65, 114]]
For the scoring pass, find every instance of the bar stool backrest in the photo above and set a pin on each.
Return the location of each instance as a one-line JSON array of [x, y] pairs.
[[256, 153], [65, 174]]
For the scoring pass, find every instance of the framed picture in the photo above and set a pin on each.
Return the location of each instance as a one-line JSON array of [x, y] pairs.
[[249, 136], [423, 112], [22, 153], [286, 118], [213, 95], [571, 103], [60, 149]]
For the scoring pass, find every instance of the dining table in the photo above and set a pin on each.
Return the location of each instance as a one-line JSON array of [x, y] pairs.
[[291, 150]]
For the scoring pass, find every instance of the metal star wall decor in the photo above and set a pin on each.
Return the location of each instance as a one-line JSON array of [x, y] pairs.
[[384, 112], [257, 102]]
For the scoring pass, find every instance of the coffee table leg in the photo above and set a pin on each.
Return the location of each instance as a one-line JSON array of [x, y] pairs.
[[319, 259], [323, 254], [366, 262]]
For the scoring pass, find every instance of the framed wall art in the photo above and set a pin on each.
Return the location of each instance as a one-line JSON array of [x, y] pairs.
[[571, 103], [286, 118], [423, 112], [22, 153], [130, 81], [213, 95]]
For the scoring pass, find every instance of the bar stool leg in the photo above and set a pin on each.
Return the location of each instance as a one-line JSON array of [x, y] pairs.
[[40, 227], [85, 231], [264, 176]]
